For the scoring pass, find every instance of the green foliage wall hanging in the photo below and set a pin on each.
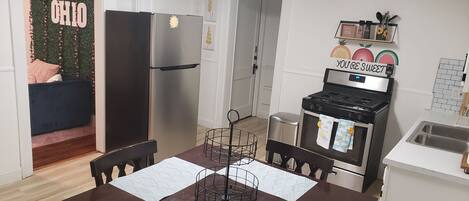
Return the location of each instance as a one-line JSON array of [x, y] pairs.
[[64, 42]]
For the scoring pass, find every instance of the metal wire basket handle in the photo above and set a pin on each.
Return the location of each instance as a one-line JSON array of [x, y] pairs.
[[246, 149], [229, 116]]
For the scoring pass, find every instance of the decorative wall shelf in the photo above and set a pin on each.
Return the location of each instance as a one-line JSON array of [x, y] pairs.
[[353, 30]]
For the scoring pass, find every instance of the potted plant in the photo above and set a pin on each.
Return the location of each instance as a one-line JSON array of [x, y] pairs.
[[382, 29]]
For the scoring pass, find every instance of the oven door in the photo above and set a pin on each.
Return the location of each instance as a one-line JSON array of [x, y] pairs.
[[354, 160]]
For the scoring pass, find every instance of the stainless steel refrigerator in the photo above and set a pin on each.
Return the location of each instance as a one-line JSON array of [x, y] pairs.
[[174, 82], [152, 80]]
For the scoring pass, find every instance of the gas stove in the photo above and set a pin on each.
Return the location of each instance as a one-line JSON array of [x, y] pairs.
[[347, 100], [363, 99]]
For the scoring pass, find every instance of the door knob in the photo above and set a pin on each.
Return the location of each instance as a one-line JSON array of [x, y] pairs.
[[254, 68]]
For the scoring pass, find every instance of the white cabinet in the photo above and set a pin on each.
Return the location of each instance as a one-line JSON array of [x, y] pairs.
[[420, 173], [406, 185]]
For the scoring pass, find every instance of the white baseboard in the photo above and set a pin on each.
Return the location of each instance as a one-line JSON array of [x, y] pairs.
[[263, 115], [10, 177], [205, 122]]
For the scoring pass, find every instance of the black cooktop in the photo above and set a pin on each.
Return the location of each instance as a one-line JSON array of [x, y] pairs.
[[349, 100], [349, 104], [352, 96]]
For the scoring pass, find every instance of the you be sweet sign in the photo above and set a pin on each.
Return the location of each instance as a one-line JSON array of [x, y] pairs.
[[384, 70]]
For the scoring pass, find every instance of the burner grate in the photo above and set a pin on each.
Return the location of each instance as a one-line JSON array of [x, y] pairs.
[[349, 100]]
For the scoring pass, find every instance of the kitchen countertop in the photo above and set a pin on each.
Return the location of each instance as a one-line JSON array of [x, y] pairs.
[[425, 160]]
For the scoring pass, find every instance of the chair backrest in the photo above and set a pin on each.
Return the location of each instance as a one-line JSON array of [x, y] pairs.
[[301, 157], [138, 155]]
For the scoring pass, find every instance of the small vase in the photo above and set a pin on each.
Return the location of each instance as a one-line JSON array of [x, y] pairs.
[[382, 32]]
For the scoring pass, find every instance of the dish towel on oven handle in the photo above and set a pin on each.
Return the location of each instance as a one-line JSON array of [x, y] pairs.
[[325, 125], [344, 136]]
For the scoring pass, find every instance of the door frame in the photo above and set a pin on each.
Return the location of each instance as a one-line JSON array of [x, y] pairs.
[[260, 53], [227, 55], [258, 32], [18, 37]]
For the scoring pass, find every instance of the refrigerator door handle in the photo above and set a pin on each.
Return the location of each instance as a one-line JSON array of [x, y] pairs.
[[181, 67]]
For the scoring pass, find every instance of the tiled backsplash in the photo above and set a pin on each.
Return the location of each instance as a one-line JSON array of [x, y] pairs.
[[447, 88]]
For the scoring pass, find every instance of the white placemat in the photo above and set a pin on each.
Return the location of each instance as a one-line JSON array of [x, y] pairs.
[[277, 182], [160, 180]]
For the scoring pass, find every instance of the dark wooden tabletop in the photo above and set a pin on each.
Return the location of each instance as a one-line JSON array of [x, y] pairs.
[[323, 191], [105, 192]]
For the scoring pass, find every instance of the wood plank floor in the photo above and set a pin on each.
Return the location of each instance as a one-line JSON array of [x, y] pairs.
[[69, 148], [64, 179], [67, 178]]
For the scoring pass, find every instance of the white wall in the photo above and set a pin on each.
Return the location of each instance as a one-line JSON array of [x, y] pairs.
[[10, 169], [217, 67], [428, 31], [15, 145], [181, 7]]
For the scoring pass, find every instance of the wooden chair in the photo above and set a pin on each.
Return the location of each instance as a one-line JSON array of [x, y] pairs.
[[138, 155], [301, 157]]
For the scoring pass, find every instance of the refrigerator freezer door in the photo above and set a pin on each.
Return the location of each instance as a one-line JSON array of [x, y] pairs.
[[174, 101], [175, 40]]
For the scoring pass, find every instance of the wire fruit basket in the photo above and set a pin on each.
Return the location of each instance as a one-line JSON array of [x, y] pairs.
[[216, 146], [242, 185], [230, 147]]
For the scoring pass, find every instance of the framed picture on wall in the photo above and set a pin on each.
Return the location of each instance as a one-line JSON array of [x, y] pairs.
[[209, 36], [348, 30], [210, 10]]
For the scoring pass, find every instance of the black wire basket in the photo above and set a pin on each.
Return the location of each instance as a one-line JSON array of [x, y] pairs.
[[244, 146], [242, 185], [231, 148]]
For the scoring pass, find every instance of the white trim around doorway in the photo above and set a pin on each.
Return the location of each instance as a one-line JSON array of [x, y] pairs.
[[22, 95]]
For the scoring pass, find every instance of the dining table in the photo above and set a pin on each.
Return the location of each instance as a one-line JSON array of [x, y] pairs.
[[322, 191]]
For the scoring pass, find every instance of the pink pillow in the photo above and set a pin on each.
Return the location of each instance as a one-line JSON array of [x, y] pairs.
[[40, 72], [31, 78]]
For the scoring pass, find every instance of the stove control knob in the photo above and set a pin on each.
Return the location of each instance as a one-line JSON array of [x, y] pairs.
[[318, 107], [359, 117]]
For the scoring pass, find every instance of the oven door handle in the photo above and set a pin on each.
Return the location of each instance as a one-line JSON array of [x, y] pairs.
[[359, 124]]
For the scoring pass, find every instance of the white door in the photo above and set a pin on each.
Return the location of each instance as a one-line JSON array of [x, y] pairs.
[[247, 35], [268, 45]]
